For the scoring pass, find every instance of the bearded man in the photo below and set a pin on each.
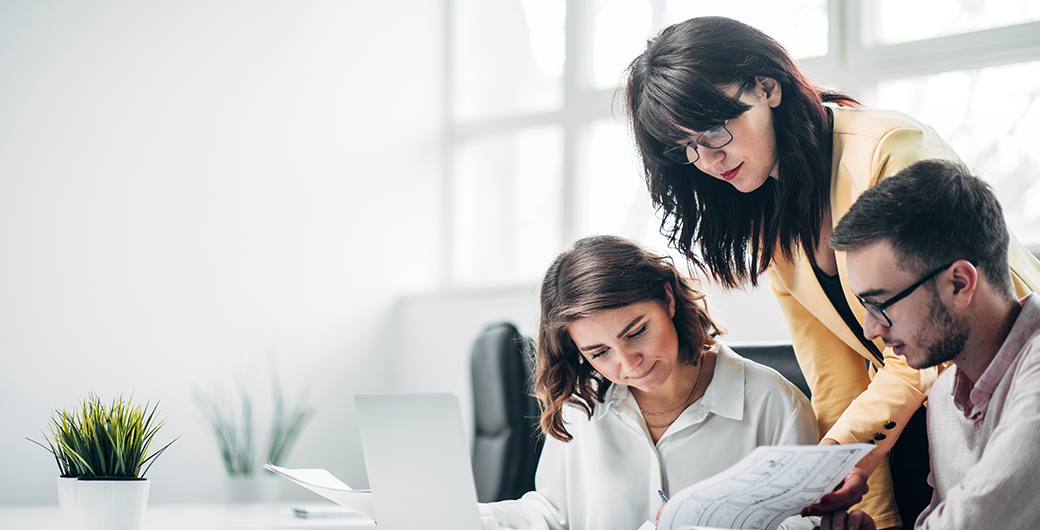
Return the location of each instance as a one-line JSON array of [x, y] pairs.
[[927, 253]]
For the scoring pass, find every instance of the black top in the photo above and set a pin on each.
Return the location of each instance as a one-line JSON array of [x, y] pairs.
[[836, 294]]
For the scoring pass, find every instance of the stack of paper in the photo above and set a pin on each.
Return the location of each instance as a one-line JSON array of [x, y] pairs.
[[323, 483]]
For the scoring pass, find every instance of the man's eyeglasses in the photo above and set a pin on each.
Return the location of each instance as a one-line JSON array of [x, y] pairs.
[[715, 138], [877, 309]]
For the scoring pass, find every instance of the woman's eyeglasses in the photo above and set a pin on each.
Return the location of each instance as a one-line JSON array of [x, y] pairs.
[[715, 138]]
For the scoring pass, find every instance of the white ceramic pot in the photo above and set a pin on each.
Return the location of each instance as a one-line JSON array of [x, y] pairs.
[[262, 487], [102, 504]]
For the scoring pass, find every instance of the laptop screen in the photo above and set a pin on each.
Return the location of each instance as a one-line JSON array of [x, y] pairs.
[[418, 461]]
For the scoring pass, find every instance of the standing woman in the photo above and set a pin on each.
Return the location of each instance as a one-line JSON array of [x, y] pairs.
[[752, 170]]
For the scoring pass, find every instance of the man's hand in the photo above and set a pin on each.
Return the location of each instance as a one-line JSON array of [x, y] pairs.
[[848, 492], [854, 520]]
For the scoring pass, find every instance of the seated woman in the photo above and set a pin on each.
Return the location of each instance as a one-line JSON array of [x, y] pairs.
[[637, 395]]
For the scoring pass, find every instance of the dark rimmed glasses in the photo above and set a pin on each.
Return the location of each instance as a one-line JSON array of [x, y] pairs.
[[877, 309], [715, 138]]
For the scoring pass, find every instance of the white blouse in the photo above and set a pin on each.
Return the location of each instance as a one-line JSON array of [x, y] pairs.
[[608, 476]]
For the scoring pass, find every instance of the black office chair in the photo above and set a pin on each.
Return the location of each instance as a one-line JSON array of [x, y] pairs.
[[507, 440], [779, 357]]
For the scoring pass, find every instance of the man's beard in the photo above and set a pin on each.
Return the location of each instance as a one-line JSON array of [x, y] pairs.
[[952, 333]]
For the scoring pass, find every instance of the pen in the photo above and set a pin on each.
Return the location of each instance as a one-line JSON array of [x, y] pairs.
[[663, 496]]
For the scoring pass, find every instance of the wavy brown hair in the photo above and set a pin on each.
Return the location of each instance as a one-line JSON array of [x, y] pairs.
[[600, 273], [678, 81]]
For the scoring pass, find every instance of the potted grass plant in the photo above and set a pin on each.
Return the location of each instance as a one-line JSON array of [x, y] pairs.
[[234, 426], [103, 455]]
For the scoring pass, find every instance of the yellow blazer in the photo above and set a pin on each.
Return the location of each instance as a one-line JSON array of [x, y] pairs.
[[853, 403]]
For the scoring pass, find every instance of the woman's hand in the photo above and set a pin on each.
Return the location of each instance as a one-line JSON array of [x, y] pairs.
[[848, 492], [854, 520]]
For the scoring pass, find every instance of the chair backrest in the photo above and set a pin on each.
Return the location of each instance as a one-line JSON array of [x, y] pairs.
[[779, 357], [507, 441]]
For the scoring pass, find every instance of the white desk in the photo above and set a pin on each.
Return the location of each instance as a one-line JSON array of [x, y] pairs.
[[194, 516]]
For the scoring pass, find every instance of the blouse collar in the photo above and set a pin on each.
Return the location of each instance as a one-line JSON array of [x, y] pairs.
[[723, 397]]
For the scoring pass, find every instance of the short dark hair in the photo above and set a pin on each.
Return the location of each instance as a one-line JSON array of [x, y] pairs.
[[596, 274], [678, 81], [933, 212]]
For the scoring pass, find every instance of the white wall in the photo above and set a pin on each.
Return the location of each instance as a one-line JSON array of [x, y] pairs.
[[185, 185]]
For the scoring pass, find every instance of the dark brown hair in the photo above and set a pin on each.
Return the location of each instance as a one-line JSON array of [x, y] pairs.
[[933, 212], [600, 273], [678, 81]]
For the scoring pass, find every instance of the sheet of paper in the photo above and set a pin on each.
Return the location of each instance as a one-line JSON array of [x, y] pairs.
[[765, 487], [649, 525], [323, 483]]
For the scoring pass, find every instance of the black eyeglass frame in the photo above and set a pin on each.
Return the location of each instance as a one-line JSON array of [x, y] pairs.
[[877, 309], [681, 152]]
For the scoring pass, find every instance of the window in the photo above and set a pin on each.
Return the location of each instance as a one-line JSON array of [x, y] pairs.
[[505, 222], [991, 116], [897, 21], [508, 57], [540, 155]]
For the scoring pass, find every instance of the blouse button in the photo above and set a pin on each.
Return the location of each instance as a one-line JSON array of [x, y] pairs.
[[890, 425], [880, 436]]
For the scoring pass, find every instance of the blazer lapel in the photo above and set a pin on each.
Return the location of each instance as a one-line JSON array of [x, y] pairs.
[[844, 191], [801, 282]]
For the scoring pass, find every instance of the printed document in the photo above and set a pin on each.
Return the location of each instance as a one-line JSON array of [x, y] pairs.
[[765, 487]]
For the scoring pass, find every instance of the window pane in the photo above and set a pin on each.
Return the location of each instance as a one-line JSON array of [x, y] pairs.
[[507, 214], [620, 28], [895, 21], [800, 25], [611, 195], [991, 116], [508, 57]]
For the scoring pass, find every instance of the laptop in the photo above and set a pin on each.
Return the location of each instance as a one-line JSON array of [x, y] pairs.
[[418, 462]]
